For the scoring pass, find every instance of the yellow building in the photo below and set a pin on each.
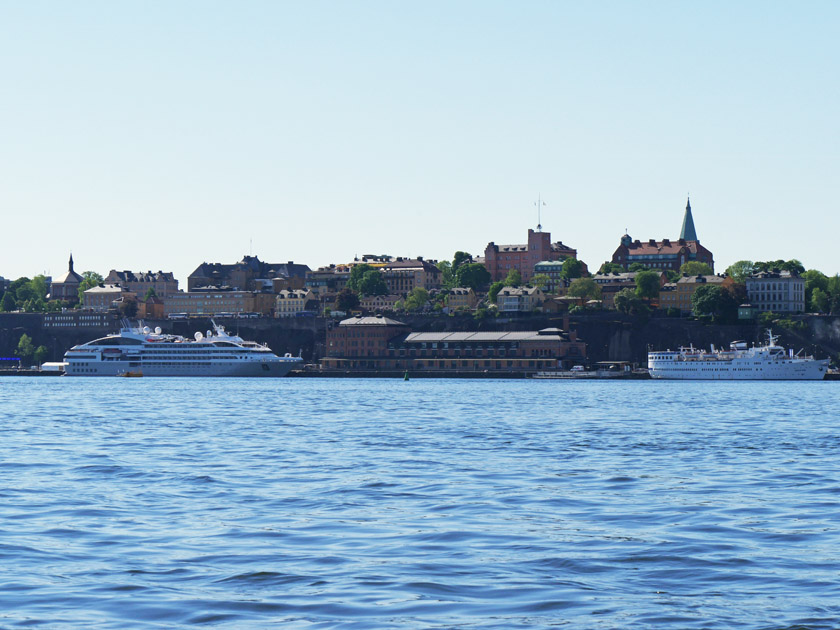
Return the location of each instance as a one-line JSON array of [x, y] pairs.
[[520, 299], [291, 302], [679, 296], [461, 298]]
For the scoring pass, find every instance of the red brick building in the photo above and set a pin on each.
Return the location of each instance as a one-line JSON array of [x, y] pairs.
[[665, 254], [379, 343], [500, 259]]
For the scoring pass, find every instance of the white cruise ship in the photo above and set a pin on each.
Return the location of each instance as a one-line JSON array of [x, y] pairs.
[[767, 362], [140, 351]]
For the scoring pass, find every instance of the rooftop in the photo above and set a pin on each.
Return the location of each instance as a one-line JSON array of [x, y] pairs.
[[376, 320], [484, 337]]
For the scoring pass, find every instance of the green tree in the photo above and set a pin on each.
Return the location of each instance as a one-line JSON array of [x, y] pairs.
[[346, 300], [472, 275], [39, 286], [636, 266], [585, 288], [628, 301], [820, 301], [814, 280], [540, 280], [647, 285], [460, 258], [8, 303], [33, 305], [741, 270], [513, 278], [447, 276], [356, 275], [90, 279], [20, 283], [128, 308], [494, 290], [372, 283], [696, 268], [792, 265], [712, 300], [610, 267], [833, 290], [706, 300], [150, 294], [672, 275], [417, 299], [572, 268], [24, 292], [25, 349], [40, 354]]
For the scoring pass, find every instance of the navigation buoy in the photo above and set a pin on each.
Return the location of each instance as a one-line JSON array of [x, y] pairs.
[[405, 378]]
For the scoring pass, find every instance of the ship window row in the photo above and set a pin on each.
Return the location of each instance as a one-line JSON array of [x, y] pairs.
[[178, 364], [207, 351], [186, 357]]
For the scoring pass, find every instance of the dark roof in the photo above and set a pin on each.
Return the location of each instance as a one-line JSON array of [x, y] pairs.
[[143, 276], [370, 321], [411, 263], [254, 266], [688, 232], [439, 337]]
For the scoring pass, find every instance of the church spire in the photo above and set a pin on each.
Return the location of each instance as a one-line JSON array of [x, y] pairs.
[[688, 232], [71, 262]]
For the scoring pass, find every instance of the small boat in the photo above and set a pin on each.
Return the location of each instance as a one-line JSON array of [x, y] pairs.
[[131, 374]]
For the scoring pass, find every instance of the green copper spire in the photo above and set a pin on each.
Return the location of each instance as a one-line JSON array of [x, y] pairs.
[[688, 231]]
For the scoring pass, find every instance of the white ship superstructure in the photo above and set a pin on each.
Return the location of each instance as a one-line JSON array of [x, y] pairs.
[[142, 351], [740, 362]]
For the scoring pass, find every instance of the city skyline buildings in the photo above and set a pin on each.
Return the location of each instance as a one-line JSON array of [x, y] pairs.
[[158, 136]]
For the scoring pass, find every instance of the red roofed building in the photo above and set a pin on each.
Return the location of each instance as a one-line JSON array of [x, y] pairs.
[[500, 259], [665, 254]]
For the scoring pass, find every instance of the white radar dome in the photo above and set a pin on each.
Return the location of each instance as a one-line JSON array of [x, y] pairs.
[[199, 336], [158, 330]]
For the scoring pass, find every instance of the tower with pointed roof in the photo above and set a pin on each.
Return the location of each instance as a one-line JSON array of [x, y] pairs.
[[66, 287], [688, 232]]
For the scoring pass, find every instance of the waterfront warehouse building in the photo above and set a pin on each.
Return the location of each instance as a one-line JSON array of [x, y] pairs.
[[380, 343]]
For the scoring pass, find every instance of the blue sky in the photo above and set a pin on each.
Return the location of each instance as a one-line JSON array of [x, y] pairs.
[[157, 135]]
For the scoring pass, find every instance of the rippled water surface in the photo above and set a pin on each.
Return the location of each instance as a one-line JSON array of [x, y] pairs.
[[314, 503]]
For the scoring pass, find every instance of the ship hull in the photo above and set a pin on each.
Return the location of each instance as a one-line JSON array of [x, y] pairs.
[[787, 370], [269, 368]]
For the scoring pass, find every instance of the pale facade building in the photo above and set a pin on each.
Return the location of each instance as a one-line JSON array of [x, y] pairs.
[[777, 291]]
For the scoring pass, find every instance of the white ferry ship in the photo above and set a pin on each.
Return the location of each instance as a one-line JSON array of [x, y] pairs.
[[139, 351], [766, 362]]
